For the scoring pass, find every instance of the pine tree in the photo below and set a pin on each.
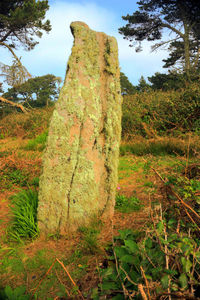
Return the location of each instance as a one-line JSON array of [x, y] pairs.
[[178, 17]]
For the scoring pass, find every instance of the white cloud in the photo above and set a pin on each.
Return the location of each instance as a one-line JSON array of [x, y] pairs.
[[52, 52], [145, 63]]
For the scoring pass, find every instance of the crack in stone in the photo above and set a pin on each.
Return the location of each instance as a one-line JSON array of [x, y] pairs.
[[76, 165]]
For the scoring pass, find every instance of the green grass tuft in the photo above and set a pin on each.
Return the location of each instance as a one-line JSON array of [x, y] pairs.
[[38, 143], [24, 216], [89, 236], [127, 205]]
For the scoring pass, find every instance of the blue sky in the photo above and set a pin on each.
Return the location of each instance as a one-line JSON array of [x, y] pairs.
[[50, 56]]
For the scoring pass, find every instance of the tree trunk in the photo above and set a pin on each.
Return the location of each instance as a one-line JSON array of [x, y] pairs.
[[186, 49]]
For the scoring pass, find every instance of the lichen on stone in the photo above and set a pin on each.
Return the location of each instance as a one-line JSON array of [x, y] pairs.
[[80, 162]]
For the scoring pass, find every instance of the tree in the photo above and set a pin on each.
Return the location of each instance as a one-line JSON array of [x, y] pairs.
[[167, 81], [143, 85], [36, 92], [1, 89], [21, 21], [126, 86], [15, 74], [154, 17]]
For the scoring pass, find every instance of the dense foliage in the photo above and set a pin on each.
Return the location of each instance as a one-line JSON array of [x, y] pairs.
[[21, 24], [158, 113], [21, 21], [164, 259], [127, 88], [36, 92]]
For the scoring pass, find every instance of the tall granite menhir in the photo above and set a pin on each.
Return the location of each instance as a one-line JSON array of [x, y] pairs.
[[80, 163]]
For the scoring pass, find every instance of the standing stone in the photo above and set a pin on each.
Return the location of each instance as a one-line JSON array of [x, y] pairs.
[[80, 163]]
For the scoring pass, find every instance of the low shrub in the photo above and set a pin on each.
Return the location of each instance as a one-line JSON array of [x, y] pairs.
[[157, 113], [26, 125], [18, 293], [164, 259]]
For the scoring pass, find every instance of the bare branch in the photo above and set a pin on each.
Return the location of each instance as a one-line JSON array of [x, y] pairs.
[[15, 56], [173, 29], [158, 45]]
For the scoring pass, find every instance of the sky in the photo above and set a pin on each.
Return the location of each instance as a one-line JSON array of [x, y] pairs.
[[50, 56]]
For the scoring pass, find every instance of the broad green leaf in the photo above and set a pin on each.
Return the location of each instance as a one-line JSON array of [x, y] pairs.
[[8, 292], [183, 281], [94, 294], [187, 264], [197, 255], [165, 281], [183, 261], [109, 286], [148, 243], [120, 251], [136, 261], [107, 272], [19, 291], [185, 247], [132, 246], [127, 259], [160, 227], [135, 276], [125, 233], [171, 222]]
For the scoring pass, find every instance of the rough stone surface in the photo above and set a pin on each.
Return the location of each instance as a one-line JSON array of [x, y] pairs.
[[80, 162]]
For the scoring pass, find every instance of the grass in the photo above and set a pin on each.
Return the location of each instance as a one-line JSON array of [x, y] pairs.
[[37, 143], [24, 216], [161, 146], [17, 267], [127, 166], [89, 237], [127, 205], [22, 269], [14, 294]]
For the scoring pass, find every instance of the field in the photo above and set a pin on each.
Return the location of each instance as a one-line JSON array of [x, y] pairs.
[[152, 247]]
